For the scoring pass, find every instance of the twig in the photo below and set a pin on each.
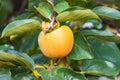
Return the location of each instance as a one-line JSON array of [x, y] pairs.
[[24, 3], [52, 18], [51, 24]]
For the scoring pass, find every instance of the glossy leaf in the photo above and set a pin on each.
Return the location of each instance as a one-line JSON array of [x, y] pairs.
[[60, 74], [6, 65], [67, 74], [45, 9], [107, 12], [102, 35], [48, 74], [25, 15], [81, 49], [75, 64], [76, 15], [99, 67], [6, 47], [5, 74], [32, 4], [20, 27], [106, 51], [24, 76], [29, 42], [18, 69], [77, 2], [40, 59], [92, 24], [61, 6], [18, 59], [74, 8]]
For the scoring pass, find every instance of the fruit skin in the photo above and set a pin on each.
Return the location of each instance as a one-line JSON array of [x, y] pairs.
[[56, 44]]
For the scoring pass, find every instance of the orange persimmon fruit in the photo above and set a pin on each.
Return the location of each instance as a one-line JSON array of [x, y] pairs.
[[57, 43]]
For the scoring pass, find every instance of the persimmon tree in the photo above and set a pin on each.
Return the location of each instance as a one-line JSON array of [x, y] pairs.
[[60, 40]]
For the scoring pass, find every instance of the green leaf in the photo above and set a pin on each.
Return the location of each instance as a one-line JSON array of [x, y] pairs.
[[24, 76], [77, 2], [20, 27], [75, 64], [40, 59], [5, 74], [51, 74], [81, 49], [106, 51], [102, 35], [74, 8], [18, 69], [67, 74], [76, 15], [25, 15], [107, 12], [61, 6], [29, 41], [92, 24], [6, 65], [18, 59], [58, 73], [99, 67], [6, 47], [45, 9], [32, 3]]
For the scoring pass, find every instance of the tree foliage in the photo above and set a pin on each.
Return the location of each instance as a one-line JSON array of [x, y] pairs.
[[95, 24]]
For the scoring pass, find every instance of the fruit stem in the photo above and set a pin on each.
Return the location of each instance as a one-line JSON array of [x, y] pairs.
[[62, 62], [51, 64], [51, 24], [52, 18], [66, 63]]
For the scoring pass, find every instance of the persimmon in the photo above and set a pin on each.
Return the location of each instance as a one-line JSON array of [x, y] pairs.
[[57, 43]]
